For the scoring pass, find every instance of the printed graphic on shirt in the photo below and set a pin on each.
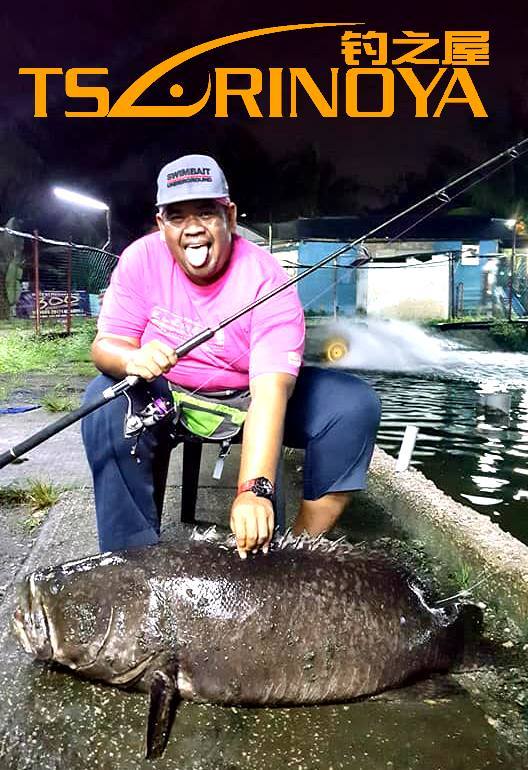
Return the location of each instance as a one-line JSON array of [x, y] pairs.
[[180, 328], [294, 358]]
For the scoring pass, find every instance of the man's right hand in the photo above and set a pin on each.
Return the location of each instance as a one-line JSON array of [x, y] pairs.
[[151, 360]]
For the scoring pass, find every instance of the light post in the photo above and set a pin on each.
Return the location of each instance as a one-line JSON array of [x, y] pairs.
[[84, 201]]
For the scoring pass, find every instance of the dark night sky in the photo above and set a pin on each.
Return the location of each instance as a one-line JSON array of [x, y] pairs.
[[118, 159]]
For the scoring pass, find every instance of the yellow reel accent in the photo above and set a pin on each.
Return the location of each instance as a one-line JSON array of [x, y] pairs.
[[334, 349]]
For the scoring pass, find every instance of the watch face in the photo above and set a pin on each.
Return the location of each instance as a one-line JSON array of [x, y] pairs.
[[263, 487]]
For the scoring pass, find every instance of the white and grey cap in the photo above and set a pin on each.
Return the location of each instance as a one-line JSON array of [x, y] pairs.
[[192, 177]]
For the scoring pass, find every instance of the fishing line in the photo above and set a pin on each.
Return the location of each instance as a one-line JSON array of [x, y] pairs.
[[464, 592], [513, 154], [248, 348], [206, 334], [456, 195]]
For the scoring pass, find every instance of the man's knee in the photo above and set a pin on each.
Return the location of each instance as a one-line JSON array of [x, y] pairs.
[[362, 407], [107, 419], [350, 401]]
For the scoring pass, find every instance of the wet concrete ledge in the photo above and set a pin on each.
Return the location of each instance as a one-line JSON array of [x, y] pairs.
[[455, 536]]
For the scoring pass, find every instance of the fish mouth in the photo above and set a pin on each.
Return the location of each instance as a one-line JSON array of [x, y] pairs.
[[30, 622]]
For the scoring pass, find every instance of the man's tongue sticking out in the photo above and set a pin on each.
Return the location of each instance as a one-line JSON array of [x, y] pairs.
[[197, 255]]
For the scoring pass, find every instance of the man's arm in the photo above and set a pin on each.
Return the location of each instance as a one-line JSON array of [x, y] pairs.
[[252, 518], [119, 356]]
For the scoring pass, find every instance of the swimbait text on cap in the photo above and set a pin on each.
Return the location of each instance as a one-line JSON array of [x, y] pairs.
[[191, 177]]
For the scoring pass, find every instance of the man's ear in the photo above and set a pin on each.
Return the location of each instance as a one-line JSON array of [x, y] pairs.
[[232, 216], [161, 226]]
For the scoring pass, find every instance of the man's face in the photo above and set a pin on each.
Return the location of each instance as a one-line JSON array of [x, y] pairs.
[[198, 235]]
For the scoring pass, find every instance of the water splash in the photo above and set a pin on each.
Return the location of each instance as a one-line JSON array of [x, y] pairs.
[[405, 347], [391, 346]]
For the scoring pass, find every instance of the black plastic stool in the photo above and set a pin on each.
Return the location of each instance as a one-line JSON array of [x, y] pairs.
[[192, 457]]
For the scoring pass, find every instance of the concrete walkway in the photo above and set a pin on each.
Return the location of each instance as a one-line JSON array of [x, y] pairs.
[[61, 458]]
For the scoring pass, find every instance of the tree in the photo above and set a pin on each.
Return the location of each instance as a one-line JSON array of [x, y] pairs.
[[11, 262], [308, 185]]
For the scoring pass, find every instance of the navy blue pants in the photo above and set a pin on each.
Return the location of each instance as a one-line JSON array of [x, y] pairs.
[[331, 414]]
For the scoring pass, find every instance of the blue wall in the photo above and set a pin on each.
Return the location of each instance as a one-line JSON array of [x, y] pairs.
[[317, 290], [471, 277]]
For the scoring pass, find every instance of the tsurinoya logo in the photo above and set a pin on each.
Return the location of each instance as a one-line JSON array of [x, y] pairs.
[[434, 70]]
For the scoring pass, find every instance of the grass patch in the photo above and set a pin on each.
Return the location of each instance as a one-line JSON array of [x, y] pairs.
[[21, 350], [42, 494], [463, 577], [34, 520], [57, 401], [13, 495], [38, 496], [8, 383]]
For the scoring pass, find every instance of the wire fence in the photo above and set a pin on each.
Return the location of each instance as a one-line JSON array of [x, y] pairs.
[[49, 284]]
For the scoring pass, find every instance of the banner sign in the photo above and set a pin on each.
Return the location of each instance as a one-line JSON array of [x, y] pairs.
[[53, 304]]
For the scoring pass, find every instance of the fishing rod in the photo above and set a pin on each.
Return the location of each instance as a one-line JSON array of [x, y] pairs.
[[7, 457]]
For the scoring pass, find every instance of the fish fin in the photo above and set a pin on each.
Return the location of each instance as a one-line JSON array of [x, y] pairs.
[[164, 699]]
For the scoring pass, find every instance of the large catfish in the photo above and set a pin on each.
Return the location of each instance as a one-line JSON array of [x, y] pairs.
[[310, 622]]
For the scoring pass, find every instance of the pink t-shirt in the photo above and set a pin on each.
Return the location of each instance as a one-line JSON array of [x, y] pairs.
[[150, 297]]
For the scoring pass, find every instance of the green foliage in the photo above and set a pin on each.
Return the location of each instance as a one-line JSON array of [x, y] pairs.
[[463, 576], [41, 494], [13, 495], [59, 401], [510, 336], [432, 322], [10, 384], [13, 279], [317, 313], [23, 351], [37, 496]]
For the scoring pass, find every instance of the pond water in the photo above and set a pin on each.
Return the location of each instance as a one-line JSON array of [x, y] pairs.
[[476, 454]]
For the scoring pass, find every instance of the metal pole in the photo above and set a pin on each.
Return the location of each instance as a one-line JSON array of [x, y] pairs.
[[36, 276], [451, 285], [407, 448], [108, 229], [69, 289]]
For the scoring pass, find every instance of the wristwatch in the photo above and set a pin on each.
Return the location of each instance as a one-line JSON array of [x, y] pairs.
[[261, 487]]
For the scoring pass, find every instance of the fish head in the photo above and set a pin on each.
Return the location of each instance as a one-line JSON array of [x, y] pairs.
[[85, 615], [30, 624]]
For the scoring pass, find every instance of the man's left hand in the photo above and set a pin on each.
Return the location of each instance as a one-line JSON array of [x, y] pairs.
[[252, 522]]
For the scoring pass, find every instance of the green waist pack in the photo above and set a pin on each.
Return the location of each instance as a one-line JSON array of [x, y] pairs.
[[216, 415]]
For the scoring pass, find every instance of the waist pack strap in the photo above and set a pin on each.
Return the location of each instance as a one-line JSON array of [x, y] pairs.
[[217, 416]]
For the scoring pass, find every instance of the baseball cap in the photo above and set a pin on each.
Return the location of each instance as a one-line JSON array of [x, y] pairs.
[[191, 177]]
